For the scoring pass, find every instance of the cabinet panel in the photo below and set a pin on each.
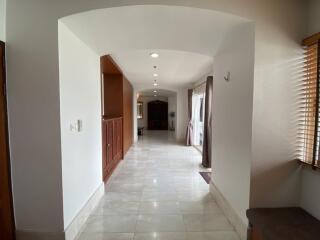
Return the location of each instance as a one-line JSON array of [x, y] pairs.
[[109, 145], [112, 145]]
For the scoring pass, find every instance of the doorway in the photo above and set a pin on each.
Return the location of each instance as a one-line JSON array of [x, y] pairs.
[[6, 209], [158, 115]]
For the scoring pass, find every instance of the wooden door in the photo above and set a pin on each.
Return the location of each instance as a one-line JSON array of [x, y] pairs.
[[6, 208], [158, 115]]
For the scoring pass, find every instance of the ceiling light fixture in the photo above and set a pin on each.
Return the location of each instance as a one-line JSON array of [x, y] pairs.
[[154, 55], [155, 83], [155, 75], [155, 95], [155, 91]]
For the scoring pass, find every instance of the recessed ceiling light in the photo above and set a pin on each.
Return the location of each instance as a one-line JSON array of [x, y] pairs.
[[155, 91], [155, 95], [155, 75], [155, 83], [154, 55]]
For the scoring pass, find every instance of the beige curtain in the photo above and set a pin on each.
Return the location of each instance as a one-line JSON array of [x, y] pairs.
[[207, 128]]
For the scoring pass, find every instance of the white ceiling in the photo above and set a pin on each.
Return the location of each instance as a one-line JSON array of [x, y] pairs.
[[186, 38], [173, 67], [160, 92]]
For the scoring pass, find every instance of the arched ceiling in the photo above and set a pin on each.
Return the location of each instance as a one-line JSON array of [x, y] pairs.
[[172, 67], [186, 38], [159, 92]]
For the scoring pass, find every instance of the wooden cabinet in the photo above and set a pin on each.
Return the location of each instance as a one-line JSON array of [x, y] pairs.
[[117, 99], [112, 150]]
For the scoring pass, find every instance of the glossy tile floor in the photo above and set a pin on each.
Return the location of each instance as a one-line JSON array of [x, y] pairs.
[[157, 193]]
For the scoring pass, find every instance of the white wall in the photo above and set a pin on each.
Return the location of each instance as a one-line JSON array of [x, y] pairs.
[[310, 190], [232, 118], [2, 20], [172, 107], [314, 17], [80, 98], [182, 114], [34, 99]]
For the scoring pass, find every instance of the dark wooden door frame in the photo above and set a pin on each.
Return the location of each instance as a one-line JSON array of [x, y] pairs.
[[7, 213]]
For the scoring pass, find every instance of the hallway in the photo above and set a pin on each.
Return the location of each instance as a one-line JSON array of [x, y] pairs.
[[157, 193]]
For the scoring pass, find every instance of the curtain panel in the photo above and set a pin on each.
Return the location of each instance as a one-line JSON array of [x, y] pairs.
[[207, 128]]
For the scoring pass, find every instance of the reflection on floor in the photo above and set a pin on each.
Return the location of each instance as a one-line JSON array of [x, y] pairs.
[[158, 193]]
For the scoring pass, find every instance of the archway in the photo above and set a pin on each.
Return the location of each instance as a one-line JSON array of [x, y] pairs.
[[129, 35], [60, 182]]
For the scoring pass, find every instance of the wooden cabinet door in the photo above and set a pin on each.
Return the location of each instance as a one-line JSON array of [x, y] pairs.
[[120, 139], [109, 145], [117, 139], [115, 136], [104, 149]]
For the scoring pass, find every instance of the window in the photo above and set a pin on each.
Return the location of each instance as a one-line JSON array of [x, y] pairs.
[[309, 131]]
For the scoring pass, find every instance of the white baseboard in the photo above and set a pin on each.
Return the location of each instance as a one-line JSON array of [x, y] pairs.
[[78, 222], [232, 216]]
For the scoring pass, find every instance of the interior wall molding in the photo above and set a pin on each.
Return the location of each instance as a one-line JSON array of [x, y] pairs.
[[232, 216]]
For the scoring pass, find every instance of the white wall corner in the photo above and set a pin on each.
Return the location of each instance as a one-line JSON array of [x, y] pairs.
[[231, 214], [78, 222]]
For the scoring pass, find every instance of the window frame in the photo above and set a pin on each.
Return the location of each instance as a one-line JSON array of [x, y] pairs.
[[310, 109]]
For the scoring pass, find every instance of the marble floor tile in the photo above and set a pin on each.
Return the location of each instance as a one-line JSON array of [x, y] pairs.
[[206, 222], [159, 196], [106, 236], [111, 224], [157, 193], [161, 236], [217, 235], [199, 207], [165, 207], [117, 208], [160, 223], [122, 196]]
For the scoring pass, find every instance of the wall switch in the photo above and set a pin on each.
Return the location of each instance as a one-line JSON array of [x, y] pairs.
[[76, 126], [79, 125]]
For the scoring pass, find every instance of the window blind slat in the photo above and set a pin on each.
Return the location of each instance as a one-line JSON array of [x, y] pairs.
[[308, 112]]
